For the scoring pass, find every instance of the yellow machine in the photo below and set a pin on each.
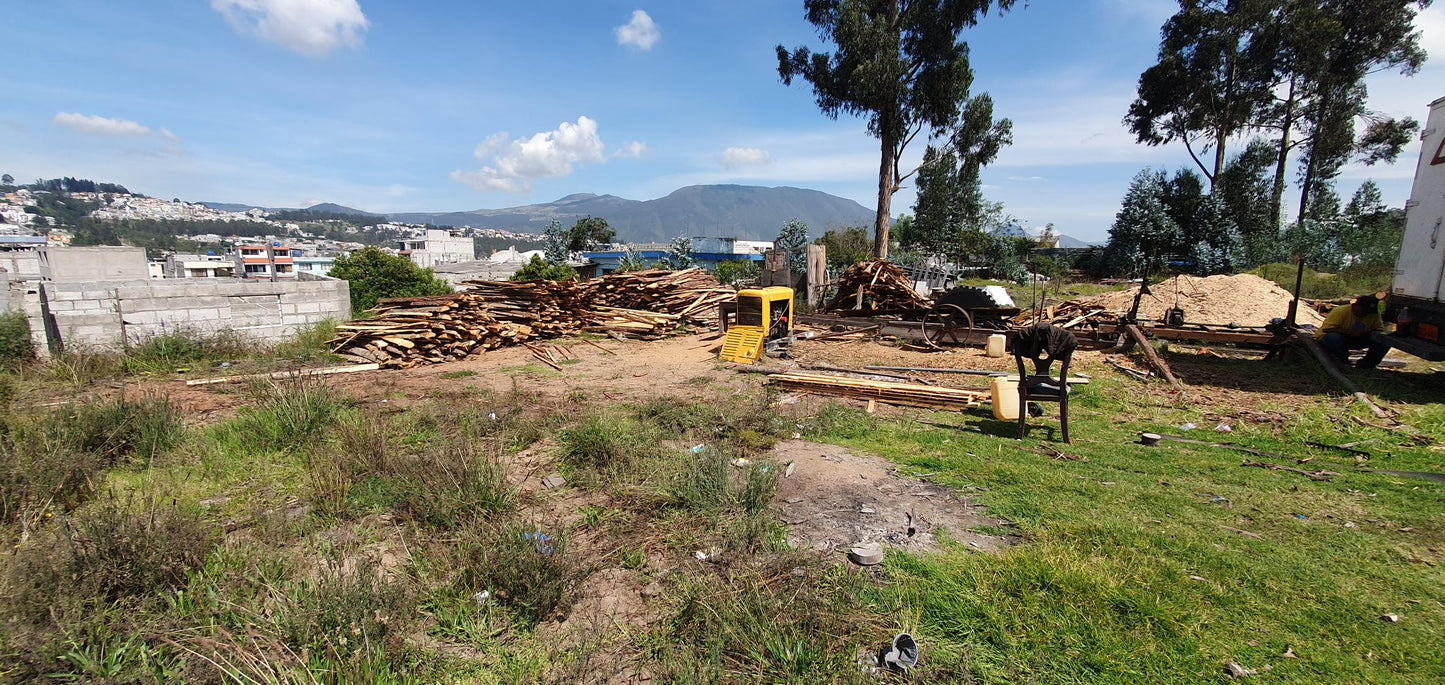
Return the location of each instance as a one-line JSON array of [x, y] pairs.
[[763, 315]]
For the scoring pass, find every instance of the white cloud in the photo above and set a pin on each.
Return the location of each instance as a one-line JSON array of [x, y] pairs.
[[738, 157], [634, 149], [98, 125], [311, 27], [640, 33], [166, 133], [1026, 178], [548, 154]]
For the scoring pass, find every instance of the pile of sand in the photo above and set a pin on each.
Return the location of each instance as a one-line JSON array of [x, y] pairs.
[[1242, 300]]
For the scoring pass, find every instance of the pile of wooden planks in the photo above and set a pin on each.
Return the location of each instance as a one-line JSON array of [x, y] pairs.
[[692, 294], [407, 332], [876, 285], [907, 394]]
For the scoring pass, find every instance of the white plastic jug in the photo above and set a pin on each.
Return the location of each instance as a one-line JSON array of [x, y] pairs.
[[996, 343]]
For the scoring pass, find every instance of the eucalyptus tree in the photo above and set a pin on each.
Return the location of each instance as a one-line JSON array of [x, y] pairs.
[[900, 64]]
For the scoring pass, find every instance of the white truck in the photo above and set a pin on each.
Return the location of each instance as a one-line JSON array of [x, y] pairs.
[[1417, 298]]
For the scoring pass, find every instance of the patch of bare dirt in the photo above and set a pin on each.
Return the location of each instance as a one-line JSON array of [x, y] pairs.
[[836, 499]]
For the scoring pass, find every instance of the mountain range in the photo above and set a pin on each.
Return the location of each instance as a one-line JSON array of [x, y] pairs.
[[733, 211]]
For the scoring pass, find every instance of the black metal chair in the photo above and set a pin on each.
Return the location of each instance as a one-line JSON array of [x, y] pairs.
[[1044, 344]]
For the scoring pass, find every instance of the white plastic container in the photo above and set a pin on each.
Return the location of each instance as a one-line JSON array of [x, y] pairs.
[[1005, 398], [996, 344]]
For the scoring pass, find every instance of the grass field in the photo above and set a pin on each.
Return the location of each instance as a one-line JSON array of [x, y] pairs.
[[314, 534]]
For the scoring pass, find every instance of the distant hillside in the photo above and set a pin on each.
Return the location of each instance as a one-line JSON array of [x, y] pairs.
[[748, 212], [325, 207]]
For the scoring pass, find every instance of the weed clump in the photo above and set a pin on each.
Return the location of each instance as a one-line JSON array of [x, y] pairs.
[[290, 414], [531, 572], [344, 614], [608, 446], [16, 347], [118, 429], [166, 352], [108, 552], [790, 620], [440, 483]]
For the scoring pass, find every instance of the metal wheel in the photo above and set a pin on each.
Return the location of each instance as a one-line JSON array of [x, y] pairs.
[[948, 318]]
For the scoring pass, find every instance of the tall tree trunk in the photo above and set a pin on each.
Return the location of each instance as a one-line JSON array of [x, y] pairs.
[[1280, 167], [1304, 204], [885, 195]]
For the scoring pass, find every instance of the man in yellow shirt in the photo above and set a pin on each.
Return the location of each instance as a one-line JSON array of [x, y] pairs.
[[1351, 328]]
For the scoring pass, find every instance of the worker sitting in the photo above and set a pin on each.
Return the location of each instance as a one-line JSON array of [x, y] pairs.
[[1351, 328]]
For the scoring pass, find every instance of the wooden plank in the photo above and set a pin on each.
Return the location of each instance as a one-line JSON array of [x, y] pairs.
[[1153, 357], [1308, 340], [354, 368]]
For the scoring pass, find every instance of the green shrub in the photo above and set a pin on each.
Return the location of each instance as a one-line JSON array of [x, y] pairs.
[[539, 269], [704, 484], [119, 428], [529, 571], [16, 347], [373, 275], [40, 474], [114, 551]]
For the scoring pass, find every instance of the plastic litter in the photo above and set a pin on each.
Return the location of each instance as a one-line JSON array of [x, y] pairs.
[[697, 449], [541, 542], [1223, 428], [900, 655], [482, 597], [1188, 427]]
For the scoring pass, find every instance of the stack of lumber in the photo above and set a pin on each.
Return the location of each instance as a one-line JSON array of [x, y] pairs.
[[876, 285], [907, 394], [426, 330], [692, 294], [407, 332]]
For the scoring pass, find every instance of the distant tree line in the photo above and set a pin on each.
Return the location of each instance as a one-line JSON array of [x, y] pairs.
[[307, 215], [74, 185]]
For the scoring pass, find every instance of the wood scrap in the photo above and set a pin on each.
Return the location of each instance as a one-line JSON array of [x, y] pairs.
[[1307, 339], [279, 375], [876, 285], [1153, 357], [906, 394], [1312, 475]]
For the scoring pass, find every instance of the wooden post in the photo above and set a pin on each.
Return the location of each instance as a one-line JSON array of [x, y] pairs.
[[1153, 357], [775, 269], [817, 270], [1313, 346]]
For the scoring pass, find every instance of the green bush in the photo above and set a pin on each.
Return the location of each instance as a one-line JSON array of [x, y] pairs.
[[16, 347], [344, 615], [40, 474], [290, 413], [374, 275], [539, 269]]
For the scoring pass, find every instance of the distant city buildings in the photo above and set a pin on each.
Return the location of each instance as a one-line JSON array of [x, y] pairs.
[[437, 246]]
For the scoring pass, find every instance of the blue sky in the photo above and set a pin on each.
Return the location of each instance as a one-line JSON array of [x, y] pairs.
[[445, 106]]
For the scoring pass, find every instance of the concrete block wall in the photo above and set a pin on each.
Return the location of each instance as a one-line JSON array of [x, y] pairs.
[[110, 315]]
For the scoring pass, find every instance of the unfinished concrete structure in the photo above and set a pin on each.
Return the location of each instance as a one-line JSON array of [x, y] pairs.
[[114, 314]]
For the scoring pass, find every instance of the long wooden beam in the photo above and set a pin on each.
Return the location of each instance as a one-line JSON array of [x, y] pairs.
[[1153, 356], [1308, 340]]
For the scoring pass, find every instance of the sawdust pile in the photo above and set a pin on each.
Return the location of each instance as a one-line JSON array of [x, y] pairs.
[[1242, 299]]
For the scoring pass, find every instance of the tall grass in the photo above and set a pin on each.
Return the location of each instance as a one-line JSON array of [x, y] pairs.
[[290, 413], [16, 347], [170, 351]]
